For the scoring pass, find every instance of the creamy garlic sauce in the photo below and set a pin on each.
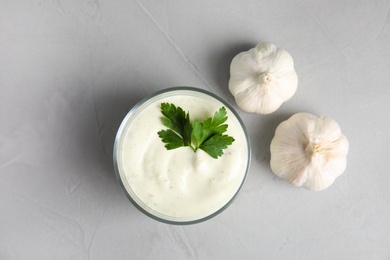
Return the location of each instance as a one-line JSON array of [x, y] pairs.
[[181, 183]]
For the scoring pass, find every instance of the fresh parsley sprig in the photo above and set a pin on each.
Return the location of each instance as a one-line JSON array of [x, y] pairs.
[[207, 135]]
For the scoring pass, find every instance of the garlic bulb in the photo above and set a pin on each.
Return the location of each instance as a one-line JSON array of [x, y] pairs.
[[262, 78], [309, 151]]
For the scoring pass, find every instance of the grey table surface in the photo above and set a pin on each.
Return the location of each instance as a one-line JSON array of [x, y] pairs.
[[71, 70]]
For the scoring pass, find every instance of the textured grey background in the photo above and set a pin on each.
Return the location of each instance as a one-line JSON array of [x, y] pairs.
[[70, 71]]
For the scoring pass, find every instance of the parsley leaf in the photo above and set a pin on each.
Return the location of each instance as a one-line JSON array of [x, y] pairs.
[[171, 139], [177, 120], [215, 144], [206, 135], [210, 127]]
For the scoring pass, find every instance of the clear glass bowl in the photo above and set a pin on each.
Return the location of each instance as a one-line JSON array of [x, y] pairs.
[[132, 163]]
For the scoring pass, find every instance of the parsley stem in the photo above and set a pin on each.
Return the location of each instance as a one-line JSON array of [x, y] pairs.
[[193, 148]]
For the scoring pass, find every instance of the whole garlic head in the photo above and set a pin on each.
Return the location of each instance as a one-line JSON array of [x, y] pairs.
[[309, 151], [262, 78]]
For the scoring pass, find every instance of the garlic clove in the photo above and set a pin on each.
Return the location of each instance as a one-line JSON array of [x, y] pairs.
[[309, 151], [318, 179], [262, 78], [248, 100]]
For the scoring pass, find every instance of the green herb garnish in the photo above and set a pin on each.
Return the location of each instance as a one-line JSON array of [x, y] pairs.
[[207, 135]]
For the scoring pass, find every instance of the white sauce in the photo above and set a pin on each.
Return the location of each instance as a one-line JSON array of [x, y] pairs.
[[180, 183]]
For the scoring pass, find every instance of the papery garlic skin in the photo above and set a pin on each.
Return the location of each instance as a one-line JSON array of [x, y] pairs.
[[262, 78], [309, 151]]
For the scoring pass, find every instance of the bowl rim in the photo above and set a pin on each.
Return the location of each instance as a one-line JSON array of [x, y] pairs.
[[120, 132]]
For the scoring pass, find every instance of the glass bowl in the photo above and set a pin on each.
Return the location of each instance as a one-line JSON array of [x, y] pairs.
[[179, 186]]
